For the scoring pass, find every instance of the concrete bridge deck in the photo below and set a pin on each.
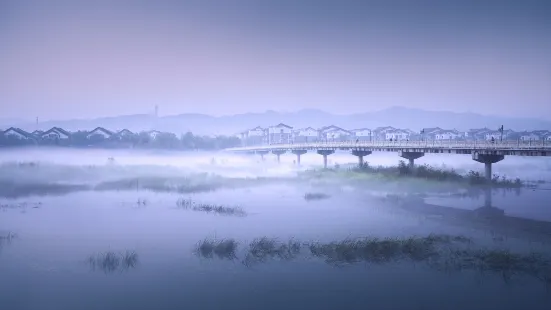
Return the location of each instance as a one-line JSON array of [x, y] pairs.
[[485, 152]]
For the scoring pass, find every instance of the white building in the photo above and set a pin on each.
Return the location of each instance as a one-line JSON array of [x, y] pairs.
[[305, 135], [397, 135], [363, 134], [529, 136], [254, 136], [280, 133], [100, 132], [445, 135], [335, 133], [13, 132], [56, 133]]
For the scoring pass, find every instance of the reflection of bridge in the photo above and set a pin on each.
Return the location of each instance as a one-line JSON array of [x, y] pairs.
[[486, 217], [483, 152]]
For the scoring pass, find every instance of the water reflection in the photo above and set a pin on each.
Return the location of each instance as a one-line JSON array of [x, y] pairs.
[[6, 239], [439, 252], [110, 262]]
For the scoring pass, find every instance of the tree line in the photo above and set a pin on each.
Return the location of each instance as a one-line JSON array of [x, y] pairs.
[[162, 140]]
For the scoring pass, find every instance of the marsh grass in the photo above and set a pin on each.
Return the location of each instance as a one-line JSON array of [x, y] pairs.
[[7, 238], [376, 250], [262, 249], [425, 172], [315, 196], [222, 249], [444, 253], [189, 204], [110, 262]]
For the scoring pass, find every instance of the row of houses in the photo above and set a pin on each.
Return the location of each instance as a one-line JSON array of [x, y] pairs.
[[60, 134], [283, 133]]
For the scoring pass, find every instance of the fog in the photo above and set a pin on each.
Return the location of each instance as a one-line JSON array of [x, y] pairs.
[[235, 165], [96, 229]]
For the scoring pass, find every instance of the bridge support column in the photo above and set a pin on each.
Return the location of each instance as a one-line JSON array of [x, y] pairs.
[[299, 153], [411, 156], [278, 154], [487, 160], [262, 153], [361, 154], [325, 153]]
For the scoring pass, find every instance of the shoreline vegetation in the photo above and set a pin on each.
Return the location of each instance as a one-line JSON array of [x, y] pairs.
[[422, 172]]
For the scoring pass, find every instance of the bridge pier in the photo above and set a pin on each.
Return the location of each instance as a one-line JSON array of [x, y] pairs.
[[411, 156], [487, 160], [325, 153], [361, 155], [262, 153], [278, 154], [299, 153]]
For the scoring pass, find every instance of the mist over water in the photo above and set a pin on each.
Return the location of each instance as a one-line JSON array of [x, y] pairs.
[[112, 229]]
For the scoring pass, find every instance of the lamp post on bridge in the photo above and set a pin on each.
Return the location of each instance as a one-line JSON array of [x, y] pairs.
[[501, 133]]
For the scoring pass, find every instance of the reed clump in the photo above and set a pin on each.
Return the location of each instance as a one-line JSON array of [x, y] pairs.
[[189, 204], [262, 249], [223, 249], [110, 262]]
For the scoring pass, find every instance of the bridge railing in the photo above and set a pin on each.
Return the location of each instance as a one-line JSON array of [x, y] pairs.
[[499, 145]]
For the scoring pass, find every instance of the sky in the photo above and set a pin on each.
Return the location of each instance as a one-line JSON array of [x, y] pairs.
[[86, 59]]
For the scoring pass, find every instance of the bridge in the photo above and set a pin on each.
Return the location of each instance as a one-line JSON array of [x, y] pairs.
[[485, 152]]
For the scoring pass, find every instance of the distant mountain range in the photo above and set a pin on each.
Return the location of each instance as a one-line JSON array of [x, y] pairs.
[[399, 117]]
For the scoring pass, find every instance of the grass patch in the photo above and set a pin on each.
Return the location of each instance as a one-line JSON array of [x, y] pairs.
[[424, 172], [262, 249], [189, 204], [223, 249], [440, 252], [110, 262]]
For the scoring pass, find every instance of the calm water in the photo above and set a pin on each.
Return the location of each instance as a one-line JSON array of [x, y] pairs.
[[47, 265]]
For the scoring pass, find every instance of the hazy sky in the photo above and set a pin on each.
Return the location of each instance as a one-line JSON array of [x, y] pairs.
[[65, 59]]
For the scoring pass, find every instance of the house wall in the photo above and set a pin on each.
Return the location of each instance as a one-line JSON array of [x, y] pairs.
[[337, 135], [255, 133], [308, 133], [362, 133], [55, 135], [530, 138], [276, 138], [280, 130], [397, 135], [446, 136]]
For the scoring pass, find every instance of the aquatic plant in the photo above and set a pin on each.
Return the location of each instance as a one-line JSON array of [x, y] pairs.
[[378, 250], [441, 252], [262, 249], [7, 238], [315, 196], [223, 249], [189, 204], [110, 262]]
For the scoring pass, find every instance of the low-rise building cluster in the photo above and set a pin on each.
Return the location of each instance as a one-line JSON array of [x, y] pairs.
[[60, 134], [283, 133]]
